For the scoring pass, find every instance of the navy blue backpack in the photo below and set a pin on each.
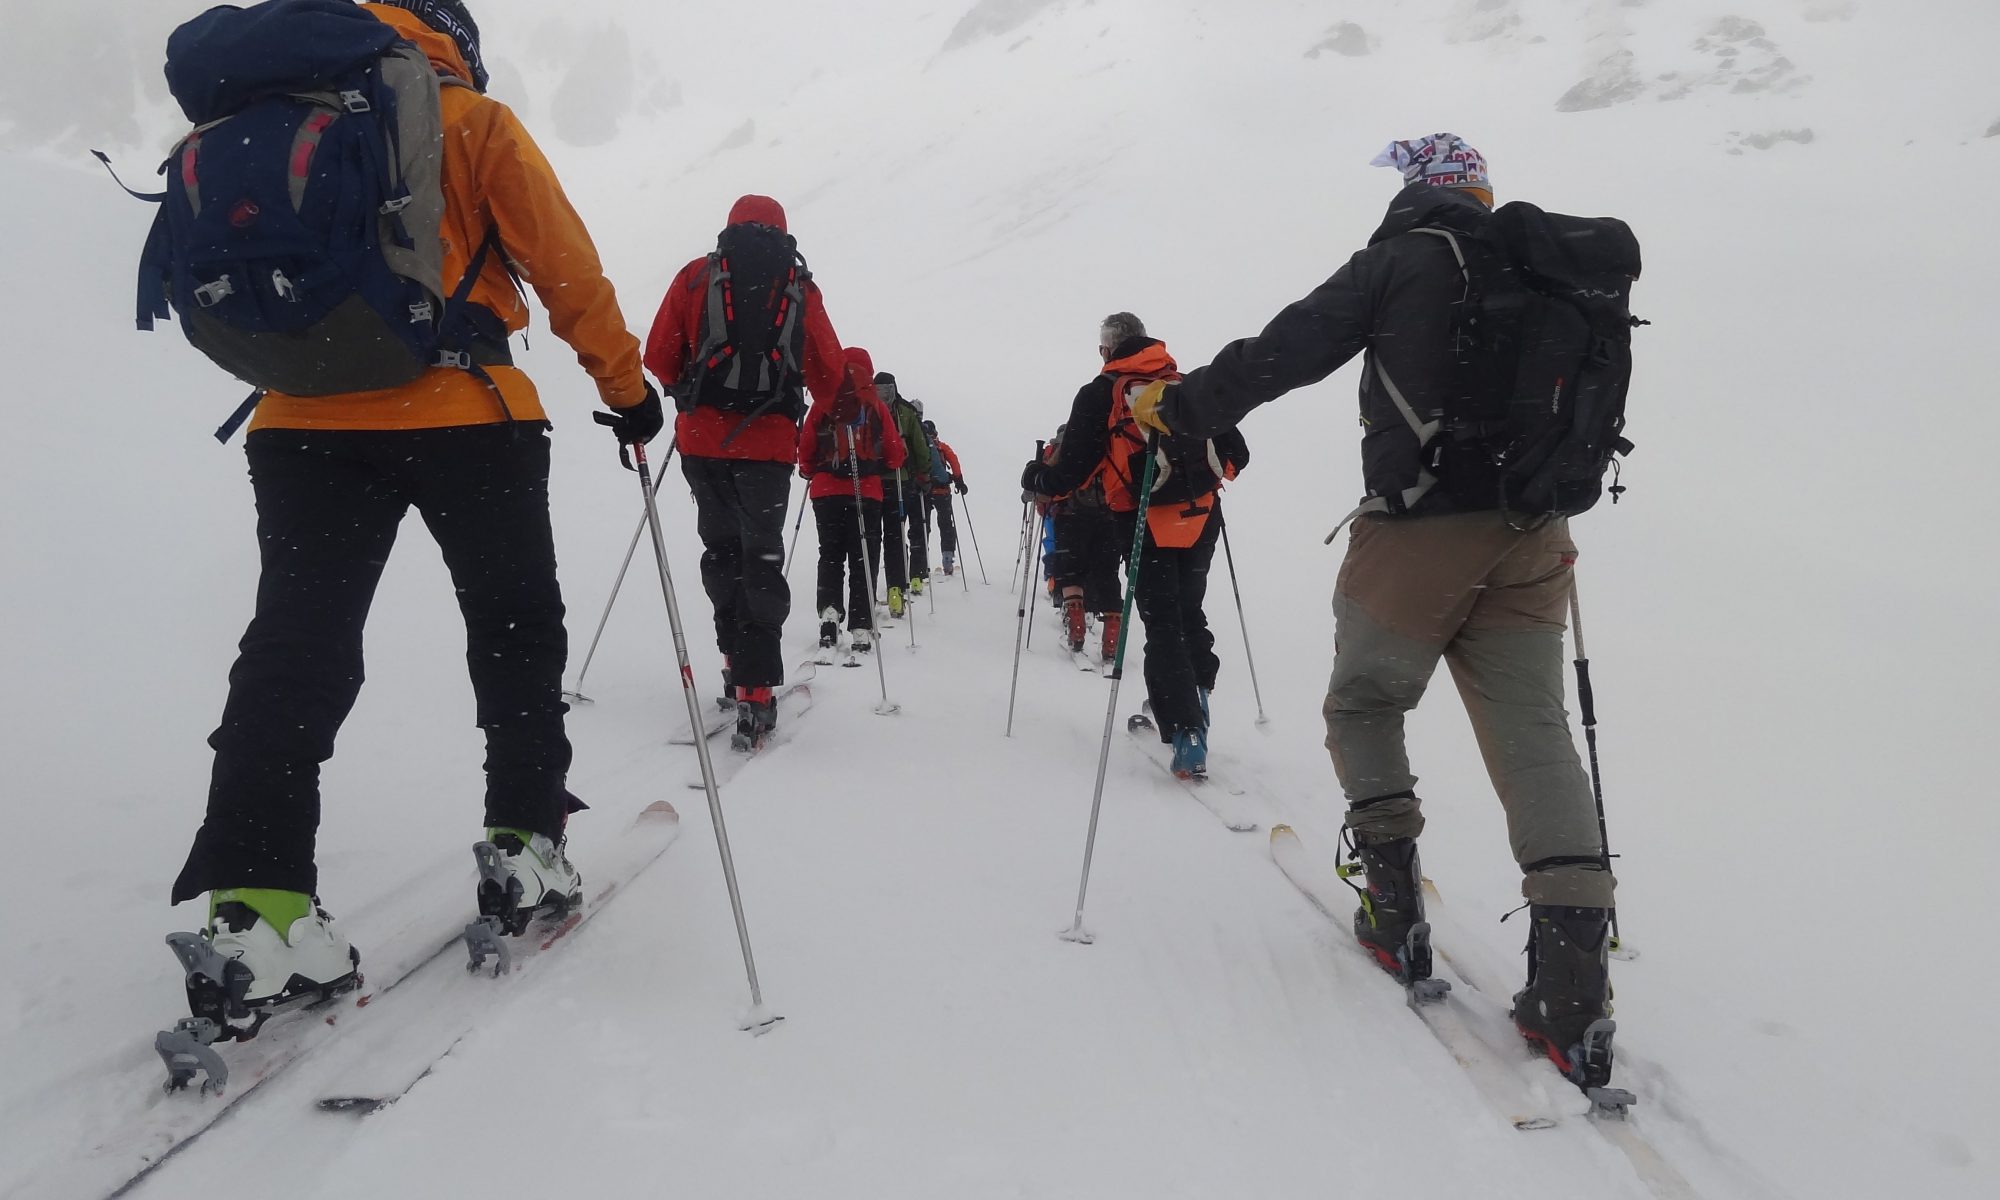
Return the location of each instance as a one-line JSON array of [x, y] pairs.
[[298, 237]]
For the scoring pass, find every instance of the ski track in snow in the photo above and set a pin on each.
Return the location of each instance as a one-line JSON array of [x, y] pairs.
[[1789, 615]]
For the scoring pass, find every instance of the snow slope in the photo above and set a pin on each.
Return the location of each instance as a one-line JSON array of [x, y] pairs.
[[1789, 616]]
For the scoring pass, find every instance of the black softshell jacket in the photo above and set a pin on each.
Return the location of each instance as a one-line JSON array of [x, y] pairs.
[[1394, 302], [1086, 437]]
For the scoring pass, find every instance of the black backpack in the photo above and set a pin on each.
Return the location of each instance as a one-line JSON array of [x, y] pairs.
[[754, 322], [1543, 342]]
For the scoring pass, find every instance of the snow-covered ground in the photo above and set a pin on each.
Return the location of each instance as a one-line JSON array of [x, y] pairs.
[[1790, 619]]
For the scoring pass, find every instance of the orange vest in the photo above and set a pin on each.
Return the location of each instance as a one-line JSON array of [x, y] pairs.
[[1128, 375]]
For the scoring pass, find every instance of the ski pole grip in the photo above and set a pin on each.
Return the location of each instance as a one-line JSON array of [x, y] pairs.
[[1586, 697]]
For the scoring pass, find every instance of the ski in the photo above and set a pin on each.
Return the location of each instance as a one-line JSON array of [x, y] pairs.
[[136, 1143], [1490, 1074], [1474, 1028], [422, 1025], [715, 720], [1223, 799], [794, 702]]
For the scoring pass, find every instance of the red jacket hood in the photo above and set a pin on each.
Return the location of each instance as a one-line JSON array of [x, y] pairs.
[[757, 210]]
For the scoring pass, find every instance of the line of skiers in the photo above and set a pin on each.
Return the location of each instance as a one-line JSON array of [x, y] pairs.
[[861, 455], [1497, 354]]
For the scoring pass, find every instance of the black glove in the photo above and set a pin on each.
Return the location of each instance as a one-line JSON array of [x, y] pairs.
[[640, 423], [958, 482], [1031, 478]]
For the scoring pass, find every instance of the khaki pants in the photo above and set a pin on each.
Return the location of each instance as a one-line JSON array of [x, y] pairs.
[[1492, 601]]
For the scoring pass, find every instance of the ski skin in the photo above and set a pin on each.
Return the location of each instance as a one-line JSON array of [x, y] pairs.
[[1492, 1077], [539, 940]]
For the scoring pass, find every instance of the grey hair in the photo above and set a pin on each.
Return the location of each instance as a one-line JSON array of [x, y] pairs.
[[1119, 327]]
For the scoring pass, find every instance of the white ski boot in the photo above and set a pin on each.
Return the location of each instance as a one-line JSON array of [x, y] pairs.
[[522, 876], [262, 952]]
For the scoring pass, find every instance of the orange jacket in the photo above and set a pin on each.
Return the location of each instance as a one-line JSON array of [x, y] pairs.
[[494, 178]]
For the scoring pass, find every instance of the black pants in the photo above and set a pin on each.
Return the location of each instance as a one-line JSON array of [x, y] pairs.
[[1180, 647], [841, 553], [328, 506], [1090, 545], [740, 513], [940, 503], [904, 543]]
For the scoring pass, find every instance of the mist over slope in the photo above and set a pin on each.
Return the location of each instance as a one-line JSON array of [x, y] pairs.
[[1790, 612]]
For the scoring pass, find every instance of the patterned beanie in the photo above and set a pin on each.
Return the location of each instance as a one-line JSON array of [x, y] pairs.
[[1439, 159], [451, 18]]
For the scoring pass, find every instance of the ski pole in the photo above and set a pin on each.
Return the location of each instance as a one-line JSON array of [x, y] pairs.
[[1020, 622], [1586, 700], [759, 1019], [965, 510], [909, 559], [1027, 527], [1230, 557], [1038, 556], [861, 531], [1076, 932], [793, 548], [1021, 608], [576, 693], [964, 576]]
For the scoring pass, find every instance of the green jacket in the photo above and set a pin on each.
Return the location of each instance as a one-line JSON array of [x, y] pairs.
[[910, 424]]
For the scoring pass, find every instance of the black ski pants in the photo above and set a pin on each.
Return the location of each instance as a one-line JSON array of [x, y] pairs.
[[843, 553], [940, 503], [904, 543], [1180, 647], [1091, 543], [328, 506], [740, 514]]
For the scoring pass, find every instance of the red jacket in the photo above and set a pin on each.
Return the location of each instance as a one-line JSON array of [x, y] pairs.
[[857, 391], [950, 460], [677, 334]]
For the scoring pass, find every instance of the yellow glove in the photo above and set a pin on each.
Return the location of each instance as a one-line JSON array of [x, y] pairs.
[[1146, 407]]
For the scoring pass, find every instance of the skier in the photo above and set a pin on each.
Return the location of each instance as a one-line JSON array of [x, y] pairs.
[[334, 476], [853, 431], [904, 509], [1103, 456], [738, 332], [946, 476], [1438, 567]]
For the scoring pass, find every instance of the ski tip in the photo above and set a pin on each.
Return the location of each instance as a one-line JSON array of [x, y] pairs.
[[1282, 831], [659, 810]]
